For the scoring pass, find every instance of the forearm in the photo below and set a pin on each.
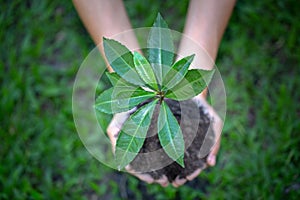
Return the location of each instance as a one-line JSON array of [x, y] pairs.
[[205, 23], [103, 18]]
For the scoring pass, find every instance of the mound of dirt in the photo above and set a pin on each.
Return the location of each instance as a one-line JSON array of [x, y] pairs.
[[194, 123]]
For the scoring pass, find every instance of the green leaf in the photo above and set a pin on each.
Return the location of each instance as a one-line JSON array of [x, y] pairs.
[[177, 72], [195, 81], [160, 48], [118, 81], [133, 134], [113, 77], [124, 96], [121, 60], [145, 70], [170, 135]]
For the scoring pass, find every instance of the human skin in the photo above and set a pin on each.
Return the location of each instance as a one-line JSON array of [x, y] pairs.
[[205, 24]]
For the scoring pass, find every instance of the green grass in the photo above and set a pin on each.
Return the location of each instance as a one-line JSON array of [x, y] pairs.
[[41, 156]]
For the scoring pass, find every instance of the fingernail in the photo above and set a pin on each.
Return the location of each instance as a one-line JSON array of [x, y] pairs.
[[211, 160], [179, 181], [165, 184], [175, 185], [193, 175]]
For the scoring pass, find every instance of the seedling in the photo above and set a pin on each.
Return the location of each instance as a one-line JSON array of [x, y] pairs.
[[137, 79]]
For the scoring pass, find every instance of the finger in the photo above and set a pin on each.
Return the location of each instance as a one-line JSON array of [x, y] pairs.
[[178, 182], [194, 174], [211, 159], [118, 120], [112, 133], [144, 177], [163, 181], [217, 124]]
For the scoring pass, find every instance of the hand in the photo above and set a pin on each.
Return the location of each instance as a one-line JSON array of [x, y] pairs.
[[113, 131], [217, 128]]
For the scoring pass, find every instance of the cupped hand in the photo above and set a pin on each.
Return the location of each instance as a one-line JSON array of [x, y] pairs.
[[113, 130], [217, 125]]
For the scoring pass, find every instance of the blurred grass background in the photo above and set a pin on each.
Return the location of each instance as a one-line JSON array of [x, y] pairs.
[[41, 157]]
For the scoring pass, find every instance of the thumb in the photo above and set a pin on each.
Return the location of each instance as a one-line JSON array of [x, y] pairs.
[[211, 159], [115, 126]]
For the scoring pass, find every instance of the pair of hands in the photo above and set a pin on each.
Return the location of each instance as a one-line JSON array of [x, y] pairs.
[[119, 119]]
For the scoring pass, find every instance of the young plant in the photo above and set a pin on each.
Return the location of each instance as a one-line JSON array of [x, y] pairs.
[[137, 79]]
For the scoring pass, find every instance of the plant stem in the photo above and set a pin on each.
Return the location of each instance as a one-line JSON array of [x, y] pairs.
[[161, 96]]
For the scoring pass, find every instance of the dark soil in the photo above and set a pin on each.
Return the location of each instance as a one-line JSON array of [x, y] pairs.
[[194, 125]]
